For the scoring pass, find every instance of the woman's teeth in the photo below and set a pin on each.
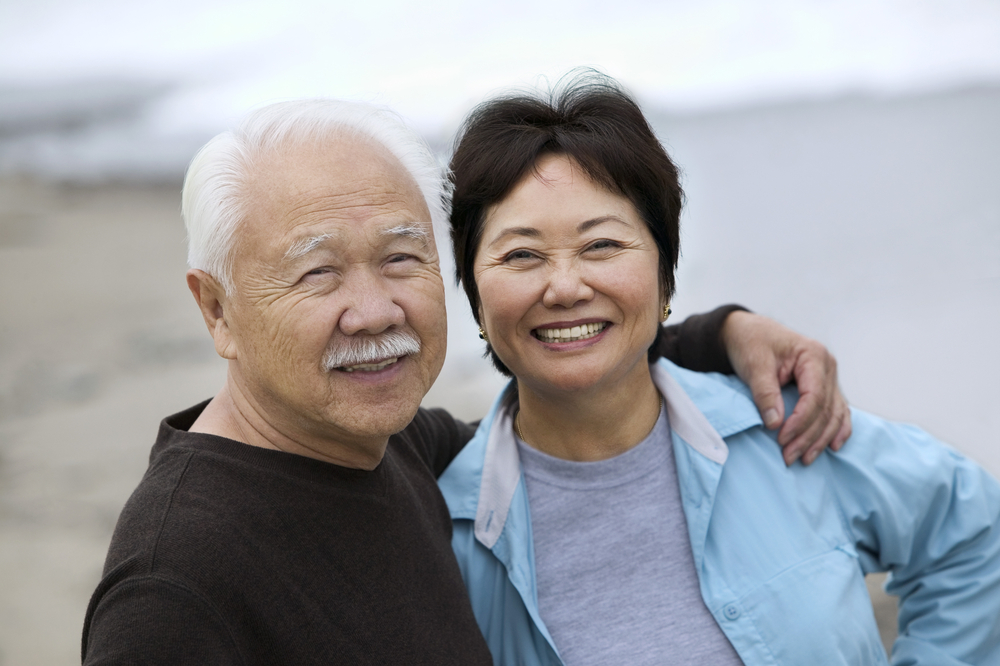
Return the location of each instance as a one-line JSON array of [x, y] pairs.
[[369, 367], [573, 334]]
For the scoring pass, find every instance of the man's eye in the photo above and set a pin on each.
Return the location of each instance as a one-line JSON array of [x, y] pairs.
[[317, 272], [397, 258]]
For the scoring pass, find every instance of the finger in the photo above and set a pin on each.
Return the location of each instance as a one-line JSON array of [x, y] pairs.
[[845, 430], [798, 446], [807, 425], [808, 410], [831, 428], [826, 437], [816, 399], [767, 396]]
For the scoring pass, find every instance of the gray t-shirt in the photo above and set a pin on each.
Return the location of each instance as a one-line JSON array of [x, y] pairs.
[[616, 578]]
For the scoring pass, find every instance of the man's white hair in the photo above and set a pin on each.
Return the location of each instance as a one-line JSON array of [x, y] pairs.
[[214, 200]]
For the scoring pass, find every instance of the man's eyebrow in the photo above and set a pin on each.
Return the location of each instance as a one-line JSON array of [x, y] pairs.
[[304, 246], [409, 231]]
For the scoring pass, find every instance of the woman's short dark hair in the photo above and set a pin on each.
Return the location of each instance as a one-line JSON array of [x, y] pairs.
[[588, 118]]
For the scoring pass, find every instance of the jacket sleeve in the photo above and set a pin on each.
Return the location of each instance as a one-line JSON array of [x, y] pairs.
[[696, 342], [931, 517]]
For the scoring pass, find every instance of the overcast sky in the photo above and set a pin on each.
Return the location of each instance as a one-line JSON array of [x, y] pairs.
[[432, 60]]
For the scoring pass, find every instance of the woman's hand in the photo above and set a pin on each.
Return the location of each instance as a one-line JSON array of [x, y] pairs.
[[767, 355]]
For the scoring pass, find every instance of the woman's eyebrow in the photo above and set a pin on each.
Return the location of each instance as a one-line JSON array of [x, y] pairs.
[[590, 224], [529, 232]]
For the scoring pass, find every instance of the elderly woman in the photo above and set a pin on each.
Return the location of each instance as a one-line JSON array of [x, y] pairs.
[[616, 509]]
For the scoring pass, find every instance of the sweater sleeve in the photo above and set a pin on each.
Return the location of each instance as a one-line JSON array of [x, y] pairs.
[[696, 343], [438, 437], [151, 621]]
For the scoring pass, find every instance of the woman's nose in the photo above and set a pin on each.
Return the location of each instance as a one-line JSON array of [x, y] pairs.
[[567, 286], [368, 305]]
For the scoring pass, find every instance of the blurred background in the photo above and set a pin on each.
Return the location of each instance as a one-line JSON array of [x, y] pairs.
[[841, 160]]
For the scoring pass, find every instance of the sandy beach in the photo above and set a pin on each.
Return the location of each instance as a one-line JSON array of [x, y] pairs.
[[873, 225], [98, 343]]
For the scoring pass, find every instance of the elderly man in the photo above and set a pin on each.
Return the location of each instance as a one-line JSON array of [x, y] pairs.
[[294, 518]]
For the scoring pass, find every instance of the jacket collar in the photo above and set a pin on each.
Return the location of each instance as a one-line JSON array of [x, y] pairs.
[[703, 408], [460, 483]]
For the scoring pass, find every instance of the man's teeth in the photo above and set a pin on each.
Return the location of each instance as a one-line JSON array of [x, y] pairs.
[[369, 367], [581, 332]]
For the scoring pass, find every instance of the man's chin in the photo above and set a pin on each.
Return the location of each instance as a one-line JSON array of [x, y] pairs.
[[374, 433], [378, 415]]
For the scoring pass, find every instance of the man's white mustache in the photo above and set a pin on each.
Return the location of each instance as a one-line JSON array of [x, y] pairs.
[[355, 350]]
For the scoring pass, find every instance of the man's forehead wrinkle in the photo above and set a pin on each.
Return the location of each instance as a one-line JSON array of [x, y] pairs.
[[305, 173], [323, 198]]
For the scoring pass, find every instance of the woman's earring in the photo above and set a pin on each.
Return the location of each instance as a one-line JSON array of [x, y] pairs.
[[483, 336], [666, 312]]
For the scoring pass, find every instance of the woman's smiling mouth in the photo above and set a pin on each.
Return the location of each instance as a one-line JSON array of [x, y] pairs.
[[570, 334]]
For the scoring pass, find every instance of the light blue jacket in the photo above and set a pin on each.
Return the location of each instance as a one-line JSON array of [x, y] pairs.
[[780, 553]]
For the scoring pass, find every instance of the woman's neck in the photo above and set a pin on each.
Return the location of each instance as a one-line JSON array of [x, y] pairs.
[[589, 425]]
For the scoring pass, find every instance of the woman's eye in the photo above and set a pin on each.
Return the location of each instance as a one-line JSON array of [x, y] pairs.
[[319, 271], [519, 254], [604, 244]]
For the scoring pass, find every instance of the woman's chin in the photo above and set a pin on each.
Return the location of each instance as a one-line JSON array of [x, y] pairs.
[[581, 375], [570, 381]]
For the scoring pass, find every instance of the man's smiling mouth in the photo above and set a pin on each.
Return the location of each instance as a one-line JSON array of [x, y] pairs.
[[572, 334], [370, 367]]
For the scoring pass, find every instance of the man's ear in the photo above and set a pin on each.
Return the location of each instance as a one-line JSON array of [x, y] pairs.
[[211, 299]]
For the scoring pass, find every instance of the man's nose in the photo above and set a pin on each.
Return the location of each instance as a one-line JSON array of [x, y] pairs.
[[369, 305], [567, 286]]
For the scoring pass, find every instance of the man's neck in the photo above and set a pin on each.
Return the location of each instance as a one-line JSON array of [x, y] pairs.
[[233, 414]]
